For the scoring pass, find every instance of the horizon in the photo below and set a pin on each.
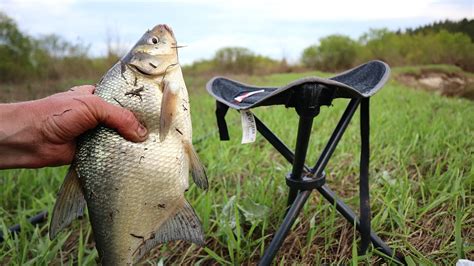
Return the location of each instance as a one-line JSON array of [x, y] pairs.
[[281, 32]]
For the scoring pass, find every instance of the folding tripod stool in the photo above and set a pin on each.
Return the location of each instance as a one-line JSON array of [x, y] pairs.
[[306, 96]]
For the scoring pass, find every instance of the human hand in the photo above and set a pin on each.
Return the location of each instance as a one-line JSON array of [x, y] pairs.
[[43, 132]]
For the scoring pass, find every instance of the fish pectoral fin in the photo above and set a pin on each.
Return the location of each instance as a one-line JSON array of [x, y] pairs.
[[168, 107], [69, 205], [184, 225], [197, 169]]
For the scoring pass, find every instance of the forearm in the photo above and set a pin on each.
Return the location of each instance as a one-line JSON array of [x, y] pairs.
[[19, 141]]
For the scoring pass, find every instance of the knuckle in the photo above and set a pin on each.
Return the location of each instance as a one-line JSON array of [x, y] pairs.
[[128, 118], [87, 108], [93, 100], [50, 131], [86, 89], [93, 104]]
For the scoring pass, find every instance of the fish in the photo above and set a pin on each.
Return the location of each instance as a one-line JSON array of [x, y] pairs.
[[134, 192]]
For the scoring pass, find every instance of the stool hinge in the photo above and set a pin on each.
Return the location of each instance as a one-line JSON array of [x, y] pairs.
[[310, 96], [306, 182]]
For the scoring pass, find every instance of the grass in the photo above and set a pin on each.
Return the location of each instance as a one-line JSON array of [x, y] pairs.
[[421, 175]]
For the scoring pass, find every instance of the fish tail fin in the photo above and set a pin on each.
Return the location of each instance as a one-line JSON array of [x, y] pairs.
[[168, 108], [184, 225], [197, 169], [70, 203]]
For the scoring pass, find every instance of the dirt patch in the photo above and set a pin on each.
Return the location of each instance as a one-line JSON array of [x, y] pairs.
[[447, 84]]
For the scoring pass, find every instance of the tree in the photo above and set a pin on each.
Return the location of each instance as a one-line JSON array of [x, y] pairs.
[[15, 51], [235, 59], [309, 58], [334, 52]]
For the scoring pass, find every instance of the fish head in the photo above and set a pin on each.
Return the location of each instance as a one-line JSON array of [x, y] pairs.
[[154, 53]]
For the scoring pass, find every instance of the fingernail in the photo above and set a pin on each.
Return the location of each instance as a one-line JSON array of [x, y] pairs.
[[141, 131]]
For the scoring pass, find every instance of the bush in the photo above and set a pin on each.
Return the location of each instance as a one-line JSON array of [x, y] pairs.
[[237, 60], [335, 52], [310, 56]]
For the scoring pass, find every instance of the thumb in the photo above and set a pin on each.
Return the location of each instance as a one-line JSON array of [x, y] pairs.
[[122, 120]]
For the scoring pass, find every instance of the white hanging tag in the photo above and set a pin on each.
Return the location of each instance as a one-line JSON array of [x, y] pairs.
[[249, 128]]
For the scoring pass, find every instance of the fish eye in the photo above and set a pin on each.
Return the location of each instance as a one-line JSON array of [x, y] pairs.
[[153, 40]]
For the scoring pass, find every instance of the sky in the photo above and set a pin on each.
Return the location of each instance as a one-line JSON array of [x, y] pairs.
[[275, 28]]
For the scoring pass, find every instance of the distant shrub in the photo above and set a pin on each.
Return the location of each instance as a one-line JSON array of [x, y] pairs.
[[237, 60], [309, 57], [334, 52]]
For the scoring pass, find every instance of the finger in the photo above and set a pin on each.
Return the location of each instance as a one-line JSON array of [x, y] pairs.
[[77, 90], [82, 90], [121, 120]]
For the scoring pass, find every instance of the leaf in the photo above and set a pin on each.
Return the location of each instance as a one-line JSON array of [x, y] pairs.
[[228, 215], [252, 211]]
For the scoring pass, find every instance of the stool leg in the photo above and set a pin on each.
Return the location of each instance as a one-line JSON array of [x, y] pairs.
[[335, 137], [327, 193], [285, 227], [364, 176], [304, 132]]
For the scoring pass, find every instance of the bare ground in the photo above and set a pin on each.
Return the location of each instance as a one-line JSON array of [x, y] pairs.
[[446, 84]]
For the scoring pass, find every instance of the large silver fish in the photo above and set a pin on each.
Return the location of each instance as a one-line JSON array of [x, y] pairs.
[[135, 191]]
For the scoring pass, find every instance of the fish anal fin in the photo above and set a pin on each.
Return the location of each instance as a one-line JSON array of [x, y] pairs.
[[70, 203], [197, 169], [168, 107], [184, 225]]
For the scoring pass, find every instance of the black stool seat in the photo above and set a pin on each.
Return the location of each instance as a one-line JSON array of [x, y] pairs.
[[360, 82]]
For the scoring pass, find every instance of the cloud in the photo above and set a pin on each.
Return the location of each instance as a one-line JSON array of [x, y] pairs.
[[334, 10], [294, 10], [337, 10], [40, 17], [41, 7]]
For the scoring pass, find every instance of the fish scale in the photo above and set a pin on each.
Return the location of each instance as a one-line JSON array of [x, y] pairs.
[[135, 191]]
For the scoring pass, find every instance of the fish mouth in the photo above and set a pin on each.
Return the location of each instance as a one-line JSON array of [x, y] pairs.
[[136, 68]]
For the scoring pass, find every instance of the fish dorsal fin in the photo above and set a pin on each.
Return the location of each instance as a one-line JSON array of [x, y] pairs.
[[197, 169], [185, 225], [168, 107], [69, 204]]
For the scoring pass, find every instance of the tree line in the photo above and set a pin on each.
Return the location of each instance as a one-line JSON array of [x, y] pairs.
[[337, 52], [50, 57], [47, 57], [465, 26]]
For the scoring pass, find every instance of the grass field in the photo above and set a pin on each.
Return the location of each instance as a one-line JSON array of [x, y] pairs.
[[421, 174]]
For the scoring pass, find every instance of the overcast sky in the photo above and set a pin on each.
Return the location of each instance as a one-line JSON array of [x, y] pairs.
[[273, 28]]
